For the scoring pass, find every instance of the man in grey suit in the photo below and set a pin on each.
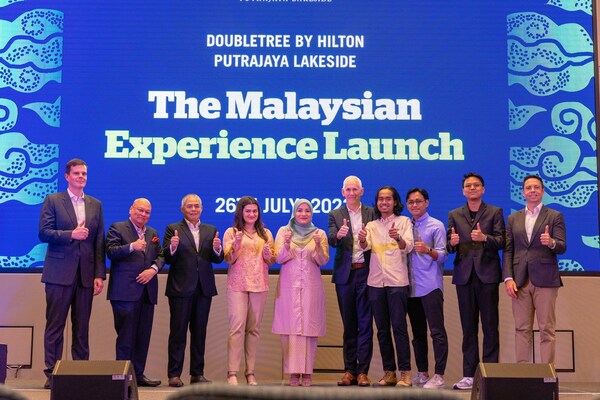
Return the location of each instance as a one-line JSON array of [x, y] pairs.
[[534, 236], [74, 268], [190, 247], [350, 272], [135, 254], [476, 235]]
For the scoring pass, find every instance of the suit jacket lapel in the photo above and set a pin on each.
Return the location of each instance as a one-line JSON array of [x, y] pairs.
[[68, 204], [519, 227], [188, 234], [467, 215], [346, 214], [479, 214], [133, 235], [540, 223]]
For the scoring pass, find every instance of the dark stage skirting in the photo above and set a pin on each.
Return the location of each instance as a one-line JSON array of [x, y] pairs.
[[223, 391]]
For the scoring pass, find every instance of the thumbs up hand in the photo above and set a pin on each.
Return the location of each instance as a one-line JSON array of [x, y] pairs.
[[546, 239], [362, 234], [477, 235], [454, 238], [217, 243], [343, 230], [317, 238], [81, 232], [393, 232], [268, 250], [288, 236], [174, 241]]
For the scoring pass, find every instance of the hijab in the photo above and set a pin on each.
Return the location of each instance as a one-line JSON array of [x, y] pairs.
[[302, 234]]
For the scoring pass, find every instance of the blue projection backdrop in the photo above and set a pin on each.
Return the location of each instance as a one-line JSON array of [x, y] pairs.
[[283, 99]]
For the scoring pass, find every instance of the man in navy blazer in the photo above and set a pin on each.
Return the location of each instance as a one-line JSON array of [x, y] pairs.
[[136, 257], [534, 236], [476, 235], [350, 272], [190, 247], [74, 269]]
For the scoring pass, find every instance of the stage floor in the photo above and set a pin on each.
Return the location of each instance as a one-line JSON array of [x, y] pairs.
[[32, 390]]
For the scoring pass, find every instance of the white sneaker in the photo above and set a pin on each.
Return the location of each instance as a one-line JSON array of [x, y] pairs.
[[436, 382], [465, 383], [420, 379]]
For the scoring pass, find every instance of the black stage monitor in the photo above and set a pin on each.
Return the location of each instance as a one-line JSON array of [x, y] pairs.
[[93, 380], [515, 381]]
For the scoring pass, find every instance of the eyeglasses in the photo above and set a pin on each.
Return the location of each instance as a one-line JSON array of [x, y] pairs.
[[415, 202]]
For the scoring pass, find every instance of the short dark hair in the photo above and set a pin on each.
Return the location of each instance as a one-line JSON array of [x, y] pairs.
[[398, 207], [533, 177], [72, 163], [473, 175], [420, 190]]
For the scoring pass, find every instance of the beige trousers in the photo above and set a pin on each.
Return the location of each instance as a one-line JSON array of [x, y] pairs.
[[541, 302], [245, 311]]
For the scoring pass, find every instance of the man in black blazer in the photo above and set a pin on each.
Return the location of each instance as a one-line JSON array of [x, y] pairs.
[[350, 272], [190, 247], [476, 235], [136, 257], [75, 268], [534, 236]]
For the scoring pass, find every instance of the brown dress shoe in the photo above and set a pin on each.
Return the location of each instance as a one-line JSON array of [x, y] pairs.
[[175, 382], [389, 379], [348, 379], [199, 379], [363, 380]]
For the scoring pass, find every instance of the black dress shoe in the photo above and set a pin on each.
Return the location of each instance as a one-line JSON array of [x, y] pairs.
[[145, 381], [47, 383], [199, 379]]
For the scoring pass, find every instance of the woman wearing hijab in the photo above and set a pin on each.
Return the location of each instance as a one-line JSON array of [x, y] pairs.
[[248, 249], [301, 249]]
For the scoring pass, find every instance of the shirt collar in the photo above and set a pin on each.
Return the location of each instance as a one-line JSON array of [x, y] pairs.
[[138, 230], [388, 219], [191, 225], [535, 211], [421, 218], [358, 210], [73, 196]]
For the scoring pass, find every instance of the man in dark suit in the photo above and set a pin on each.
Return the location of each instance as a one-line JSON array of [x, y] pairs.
[[534, 236], [350, 272], [190, 247], [75, 268], [476, 235], [136, 257]]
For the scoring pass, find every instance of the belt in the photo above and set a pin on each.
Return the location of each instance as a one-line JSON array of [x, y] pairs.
[[358, 265]]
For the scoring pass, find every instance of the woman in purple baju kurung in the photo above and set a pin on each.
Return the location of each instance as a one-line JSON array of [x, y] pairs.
[[301, 249]]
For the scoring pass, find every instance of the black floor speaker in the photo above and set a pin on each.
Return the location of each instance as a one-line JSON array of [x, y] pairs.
[[93, 380], [3, 362], [515, 381]]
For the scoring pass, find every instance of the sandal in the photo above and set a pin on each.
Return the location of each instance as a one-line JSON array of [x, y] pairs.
[[232, 378], [306, 380], [294, 379], [251, 379]]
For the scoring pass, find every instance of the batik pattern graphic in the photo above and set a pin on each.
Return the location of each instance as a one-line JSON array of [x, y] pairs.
[[553, 131]]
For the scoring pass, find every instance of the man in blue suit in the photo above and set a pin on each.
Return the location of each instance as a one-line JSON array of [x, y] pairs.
[[74, 269], [190, 247], [476, 235], [350, 273], [136, 257], [534, 237]]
